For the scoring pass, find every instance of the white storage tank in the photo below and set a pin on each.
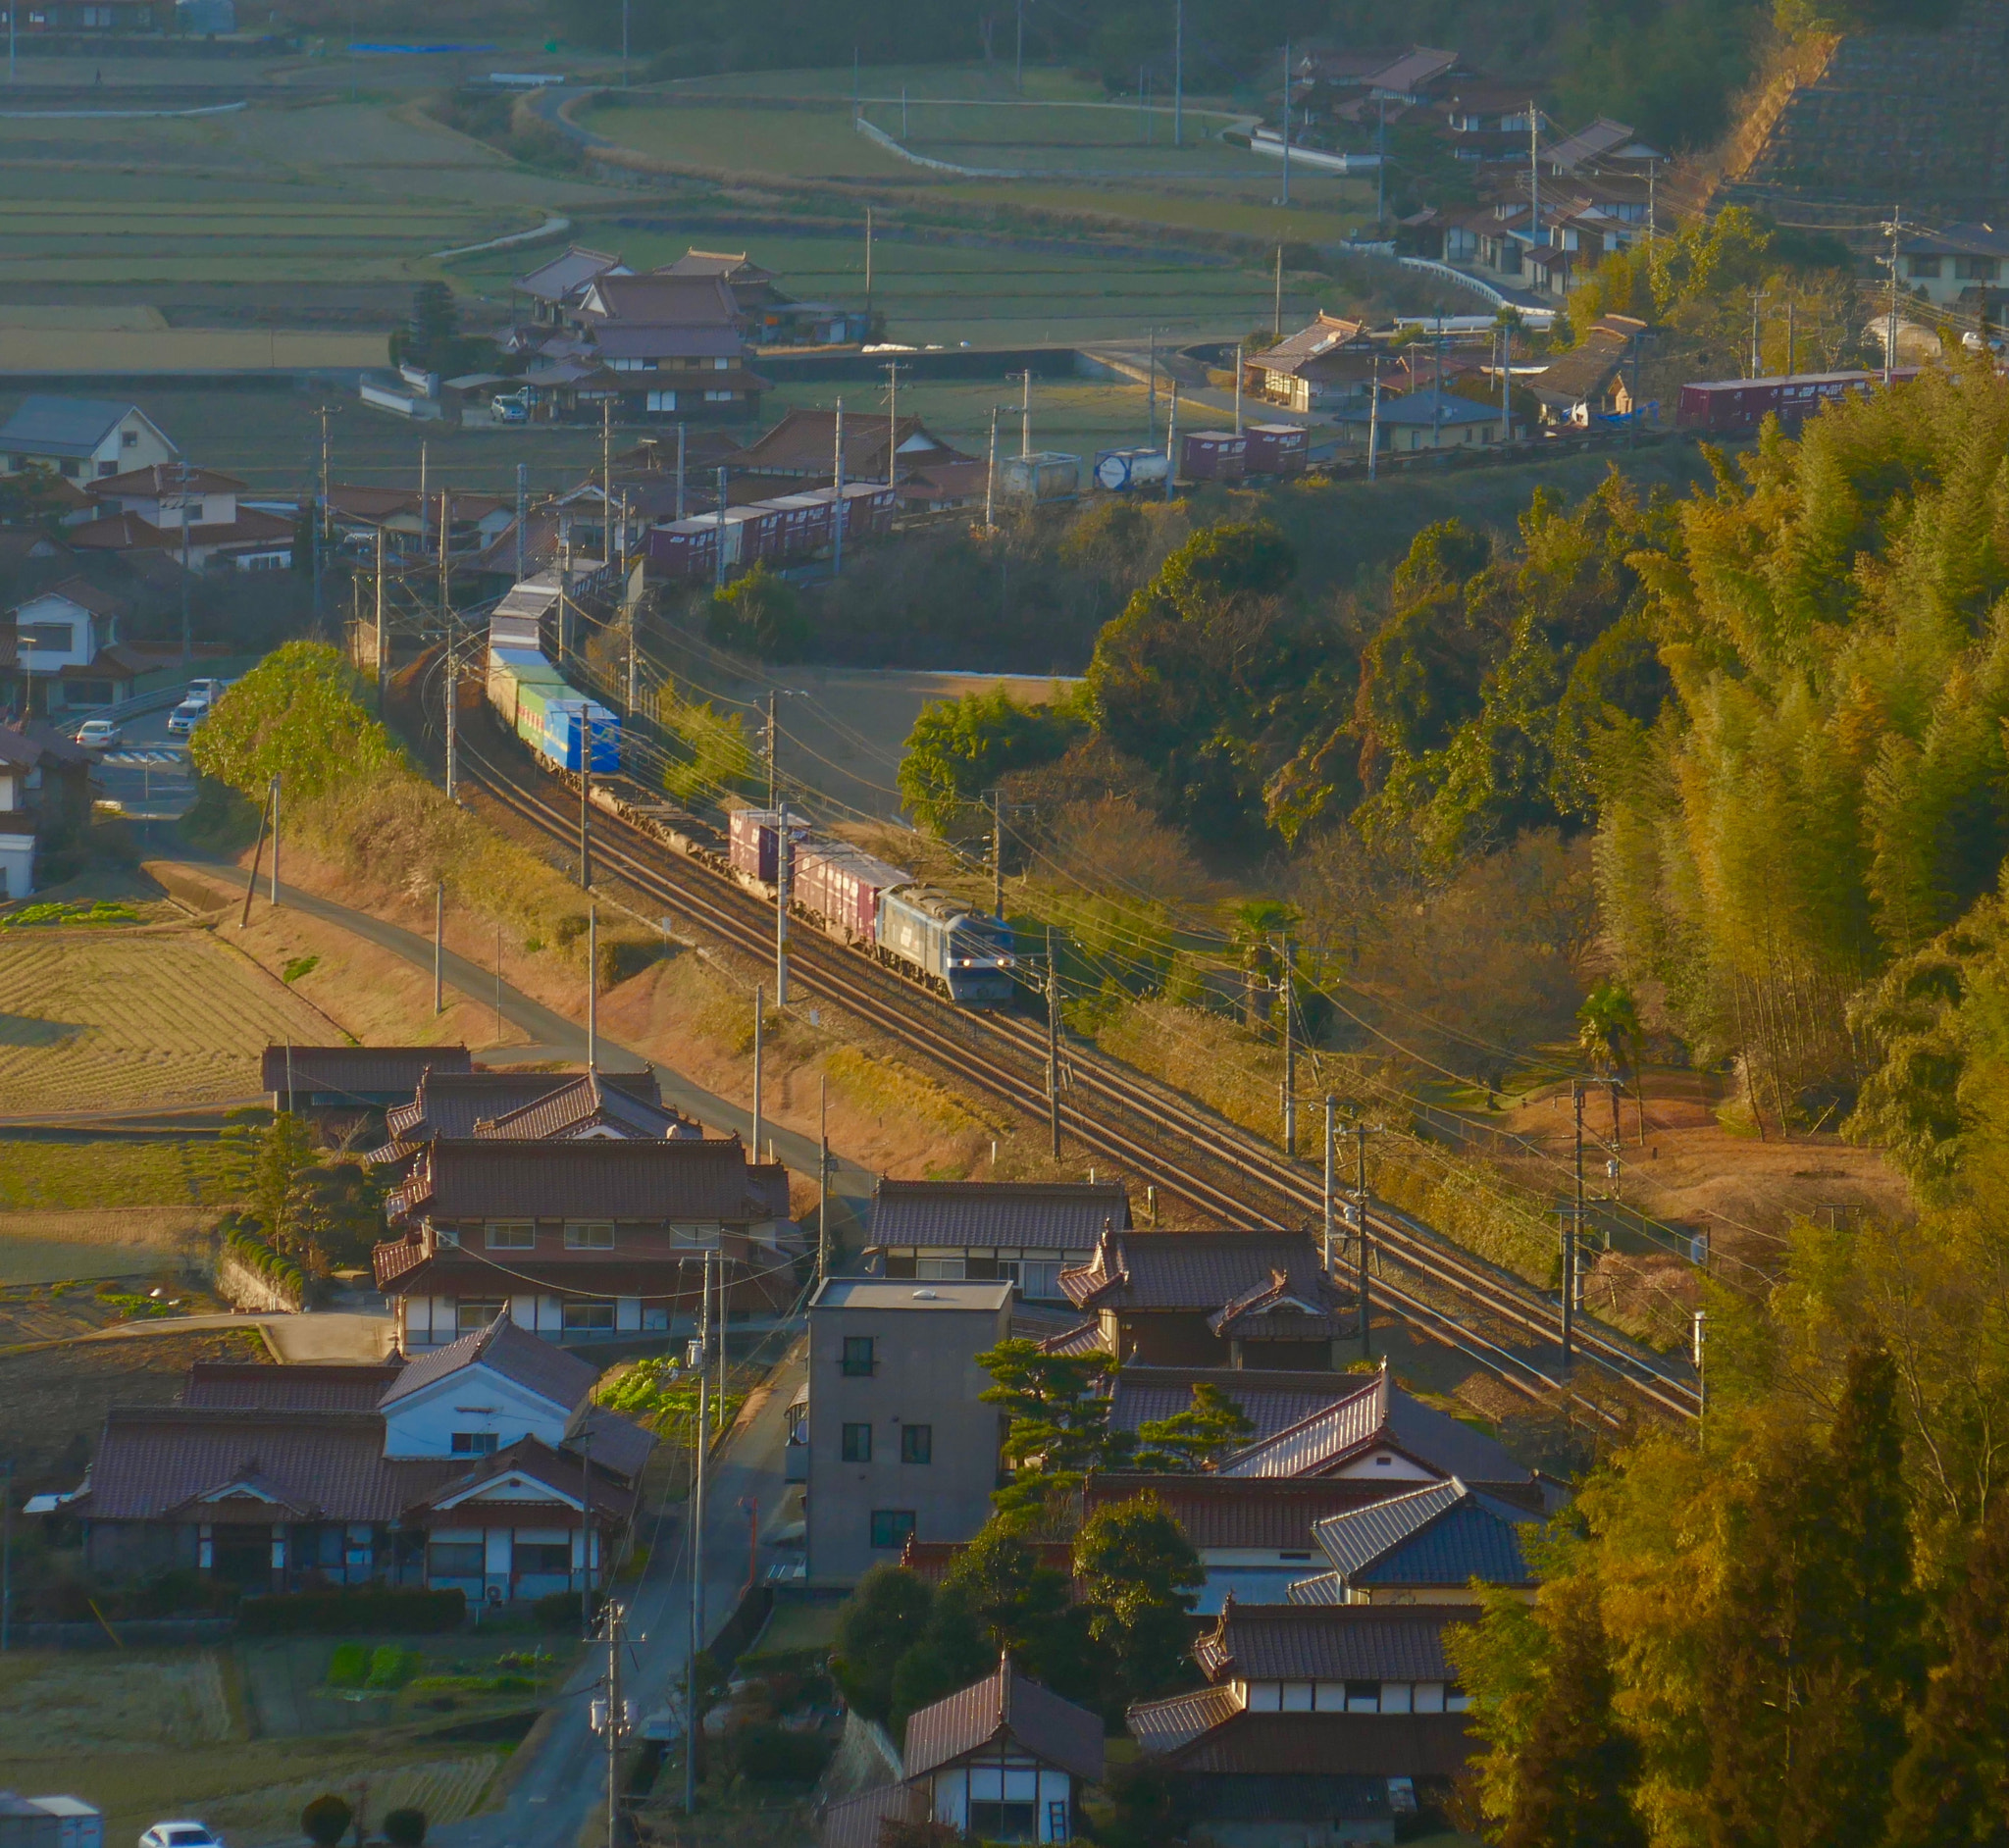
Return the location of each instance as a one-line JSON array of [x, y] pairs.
[[1119, 469], [1045, 475]]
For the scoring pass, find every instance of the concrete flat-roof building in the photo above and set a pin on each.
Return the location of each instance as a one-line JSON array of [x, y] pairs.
[[900, 1442]]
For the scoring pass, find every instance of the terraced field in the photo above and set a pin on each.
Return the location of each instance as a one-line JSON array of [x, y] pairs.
[[152, 1017]]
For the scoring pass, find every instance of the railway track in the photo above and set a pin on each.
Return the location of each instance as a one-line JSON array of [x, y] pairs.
[[1191, 1153]]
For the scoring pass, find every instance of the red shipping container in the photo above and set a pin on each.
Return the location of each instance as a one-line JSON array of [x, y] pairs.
[[683, 548], [1278, 448], [752, 834], [843, 885], [1214, 455]]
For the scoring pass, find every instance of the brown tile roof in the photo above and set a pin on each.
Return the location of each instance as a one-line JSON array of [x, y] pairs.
[[1195, 1270], [86, 595], [451, 1104], [1169, 1725], [1273, 1310], [1062, 1216], [1328, 1745], [128, 531], [555, 1469], [566, 273], [304, 1388], [455, 1272], [154, 1460], [805, 442], [31, 742], [1355, 1642], [859, 1822], [1307, 342], [587, 1100], [661, 300], [610, 1439], [733, 265], [656, 1180], [505, 1349], [1239, 1512], [1083, 1338], [160, 479], [371, 1069], [1275, 1400], [1051, 1729]]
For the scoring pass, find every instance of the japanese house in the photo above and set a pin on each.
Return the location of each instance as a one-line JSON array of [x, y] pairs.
[[1023, 1232]]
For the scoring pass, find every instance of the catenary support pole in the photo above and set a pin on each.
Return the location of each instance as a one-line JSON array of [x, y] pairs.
[[1360, 1240], [783, 856], [274, 841], [440, 947], [773, 744], [1572, 1231], [522, 513], [822, 1178], [382, 665], [593, 988], [759, 1008], [1173, 441], [1331, 1112], [991, 479], [837, 520], [1290, 1048], [996, 854], [1054, 1041]]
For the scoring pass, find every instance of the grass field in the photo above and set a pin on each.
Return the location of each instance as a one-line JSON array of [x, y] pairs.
[[154, 1017]]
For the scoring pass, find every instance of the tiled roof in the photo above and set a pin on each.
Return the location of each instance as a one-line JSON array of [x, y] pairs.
[[662, 300], [1442, 1534], [1241, 1511], [1051, 1729], [371, 1069], [587, 1098], [1324, 333], [393, 1258], [1194, 1270], [452, 1272], [564, 275], [733, 265], [451, 1104], [84, 594], [246, 1385], [541, 1366], [643, 339], [1273, 1310], [31, 742], [559, 1470], [805, 442], [1273, 1400], [128, 531], [610, 1439], [1083, 1338], [326, 1464], [668, 1179], [1062, 1216], [859, 1822], [1290, 1642], [1588, 367], [45, 424], [1167, 1725], [1429, 408], [1322, 1746], [1337, 1429], [160, 479]]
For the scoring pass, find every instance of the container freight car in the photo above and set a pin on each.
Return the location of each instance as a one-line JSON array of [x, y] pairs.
[[1278, 448], [752, 836], [553, 718], [1214, 455], [951, 946], [1119, 469], [1737, 406], [683, 548], [1045, 475], [842, 887], [510, 670]]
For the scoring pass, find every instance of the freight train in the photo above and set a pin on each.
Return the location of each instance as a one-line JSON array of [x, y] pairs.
[[790, 526], [863, 902]]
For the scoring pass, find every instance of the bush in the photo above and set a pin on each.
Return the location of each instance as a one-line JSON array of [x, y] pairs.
[[326, 1821], [405, 1828], [409, 1611], [347, 1666], [769, 1754], [391, 1667]]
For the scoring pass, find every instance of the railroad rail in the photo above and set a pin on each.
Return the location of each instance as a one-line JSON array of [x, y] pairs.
[[1191, 1153]]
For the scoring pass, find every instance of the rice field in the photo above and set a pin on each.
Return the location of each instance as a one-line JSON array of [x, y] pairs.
[[153, 1018]]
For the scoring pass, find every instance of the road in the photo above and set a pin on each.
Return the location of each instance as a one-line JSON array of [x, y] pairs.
[[148, 774], [562, 1784]]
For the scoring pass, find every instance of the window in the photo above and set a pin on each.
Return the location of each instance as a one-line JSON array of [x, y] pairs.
[[1040, 1279], [1977, 268], [1923, 269], [456, 1559], [511, 1235], [543, 1557], [589, 1317], [939, 1270], [55, 637], [594, 1236], [857, 1358], [1363, 1697], [662, 400], [916, 1443], [1297, 1697], [858, 1442], [892, 1529], [721, 365], [720, 397], [471, 1318], [474, 1443]]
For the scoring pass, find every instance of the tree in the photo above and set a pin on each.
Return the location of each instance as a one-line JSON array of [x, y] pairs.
[[405, 1828], [1059, 1428], [880, 1622], [1211, 1427], [1138, 1572], [1951, 1788], [1609, 1035], [326, 1820], [961, 747], [760, 613], [285, 1151], [950, 1652]]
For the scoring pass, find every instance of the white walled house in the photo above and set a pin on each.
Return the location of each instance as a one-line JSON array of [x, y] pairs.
[[188, 513], [81, 438]]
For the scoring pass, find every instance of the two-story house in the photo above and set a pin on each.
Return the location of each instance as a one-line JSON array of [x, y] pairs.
[[81, 438], [484, 1467], [67, 648], [525, 1104], [190, 514], [1004, 1761], [44, 796], [1210, 1299], [899, 1443], [1024, 1232], [583, 1240]]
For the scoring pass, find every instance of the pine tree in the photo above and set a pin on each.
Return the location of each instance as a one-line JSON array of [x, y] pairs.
[[1209, 1428], [1951, 1788]]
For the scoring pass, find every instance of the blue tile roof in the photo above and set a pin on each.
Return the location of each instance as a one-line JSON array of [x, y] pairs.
[[1442, 1534]]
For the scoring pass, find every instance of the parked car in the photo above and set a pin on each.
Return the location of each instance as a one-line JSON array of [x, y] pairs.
[[209, 691], [100, 735], [187, 717], [510, 407], [180, 1835]]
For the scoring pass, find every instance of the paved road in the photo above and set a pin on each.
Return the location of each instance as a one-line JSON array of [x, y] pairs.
[[559, 1796]]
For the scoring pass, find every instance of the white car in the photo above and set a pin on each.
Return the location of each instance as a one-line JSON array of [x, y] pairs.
[[99, 735], [187, 717], [180, 1835]]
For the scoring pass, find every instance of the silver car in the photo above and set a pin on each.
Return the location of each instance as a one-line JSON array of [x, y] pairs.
[[100, 735], [180, 1835], [187, 717]]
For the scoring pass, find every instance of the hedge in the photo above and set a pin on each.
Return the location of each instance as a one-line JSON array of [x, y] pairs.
[[258, 1257], [408, 1610]]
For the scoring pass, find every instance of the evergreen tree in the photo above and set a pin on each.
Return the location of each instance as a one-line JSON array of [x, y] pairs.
[[1059, 1427], [1137, 1572], [1951, 1788], [1211, 1427], [879, 1622]]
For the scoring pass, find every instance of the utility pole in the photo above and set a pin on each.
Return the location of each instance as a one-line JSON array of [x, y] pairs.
[[617, 1707], [1361, 1249], [1238, 387], [759, 1007], [607, 480], [718, 562], [1572, 1231], [1151, 386], [1276, 312], [1331, 1111], [822, 1178], [893, 425], [593, 988], [1286, 135], [1180, 72], [585, 800], [1757, 355], [1018, 67], [680, 471], [837, 499], [696, 1354], [868, 271], [1374, 421], [1896, 228], [1025, 413], [1791, 336], [321, 506], [1053, 1042], [773, 743], [1381, 166], [274, 843], [446, 591], [188, 639], [783, 854], [383, 676], [998, 854], [440, 947], [1505, 381], [522, 513], [1700, 1335], [1173, 441], [451, 668], [1290, 1048], [1534, 173], [991, 479]]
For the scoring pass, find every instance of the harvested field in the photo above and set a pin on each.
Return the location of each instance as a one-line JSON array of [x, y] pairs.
[[126, 1702], [448, 1790], [97, 1241], [96, 1019]]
